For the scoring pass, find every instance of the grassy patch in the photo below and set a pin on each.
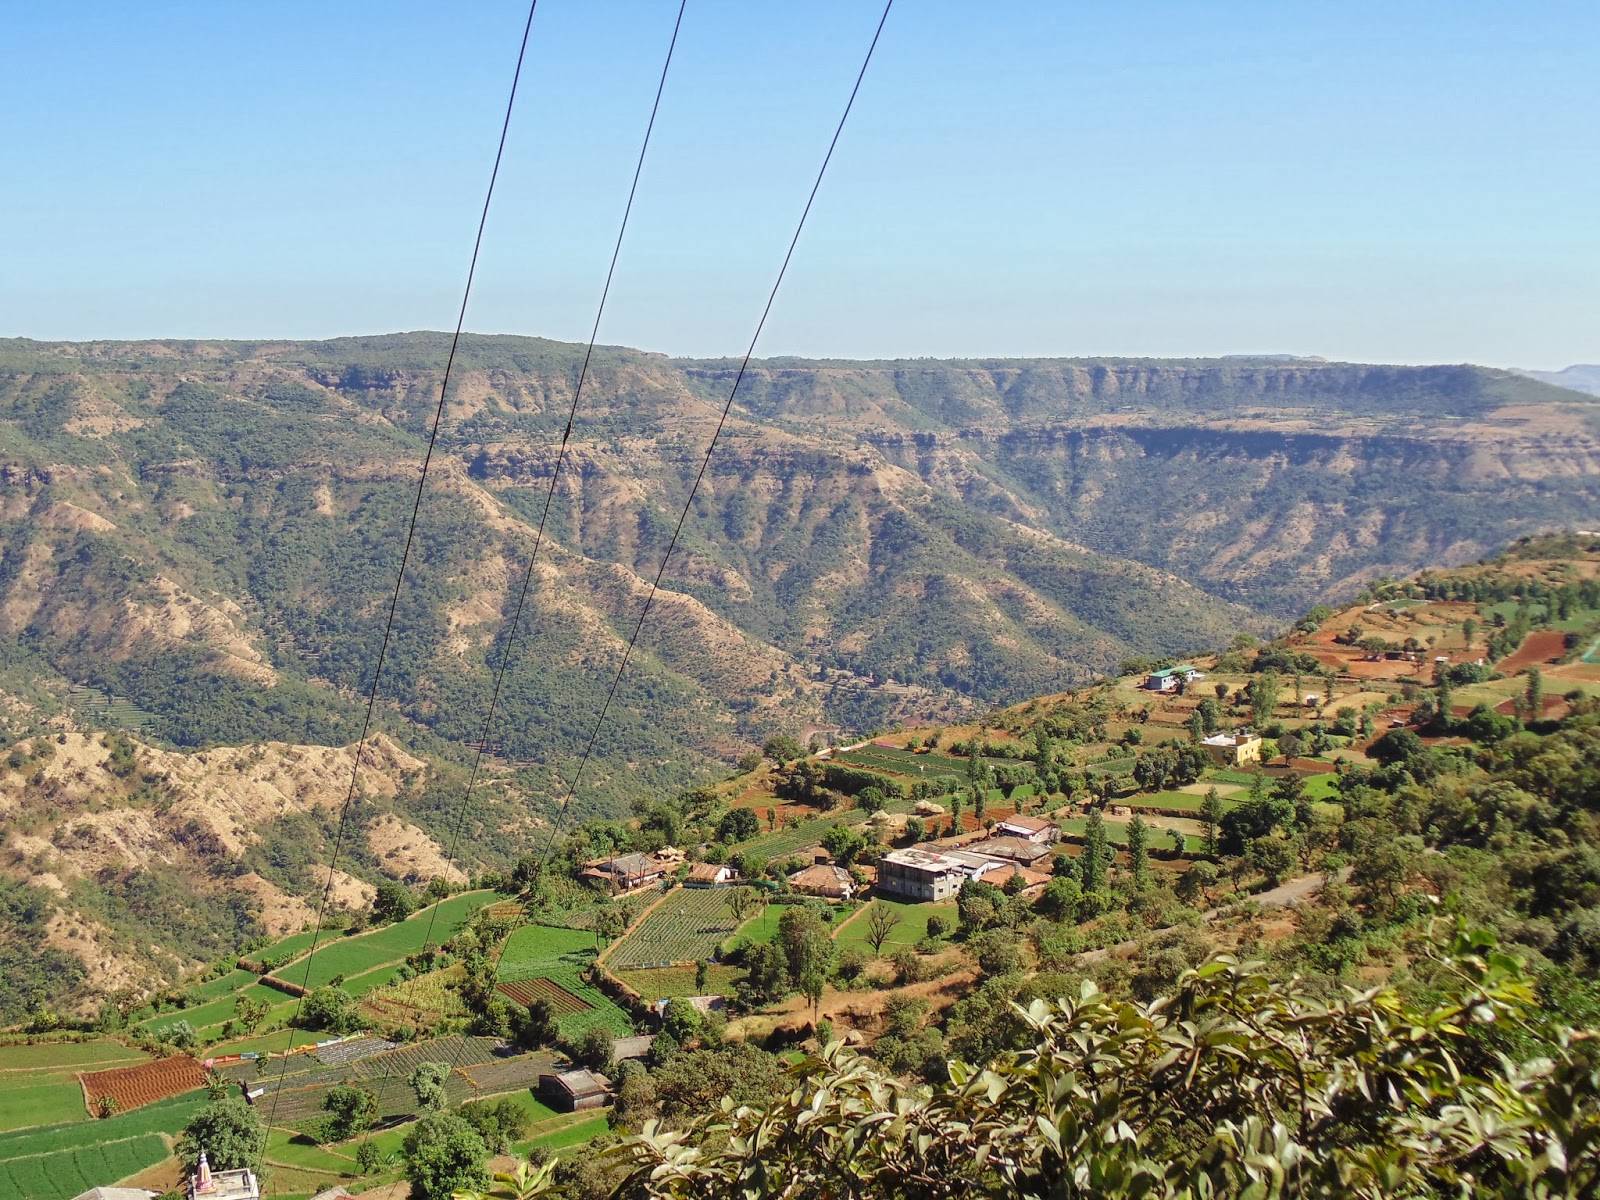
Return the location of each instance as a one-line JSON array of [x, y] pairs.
[[912, 929], [27, 1104], [70, 1056], [1322, 787]]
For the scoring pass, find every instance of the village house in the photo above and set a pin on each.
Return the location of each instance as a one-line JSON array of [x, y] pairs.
[[625, 872], [825, 880], [921, 874], [1032, 829], [575, 1091], [1012, 849], [1168, 678], [1233, 749], [711, 875], [1032, 882]]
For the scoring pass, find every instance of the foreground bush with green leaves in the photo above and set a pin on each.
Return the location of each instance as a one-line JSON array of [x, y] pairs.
[[1234, 1086]]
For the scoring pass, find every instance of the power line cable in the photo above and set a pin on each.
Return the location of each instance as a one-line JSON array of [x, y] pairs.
[[705, 462], [508, 655], [400, 575]]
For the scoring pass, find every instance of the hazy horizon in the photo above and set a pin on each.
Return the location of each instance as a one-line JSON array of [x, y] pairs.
[[1402, 183]]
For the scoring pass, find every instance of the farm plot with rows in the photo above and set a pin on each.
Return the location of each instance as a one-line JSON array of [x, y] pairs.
[[562, 956], [39, 1083], [689, 924], [153, 1118], [798, 835], [524, 992], [144, 1084], [67, 1173]]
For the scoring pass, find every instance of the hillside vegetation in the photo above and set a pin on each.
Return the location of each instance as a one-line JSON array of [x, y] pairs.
[[1359, 960]]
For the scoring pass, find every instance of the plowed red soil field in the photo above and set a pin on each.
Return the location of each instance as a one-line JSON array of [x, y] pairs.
[[526, 991], [143, 1084], [1537, 649]]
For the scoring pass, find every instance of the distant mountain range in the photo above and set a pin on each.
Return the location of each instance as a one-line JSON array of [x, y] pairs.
[[1581, 377], [209, 530]]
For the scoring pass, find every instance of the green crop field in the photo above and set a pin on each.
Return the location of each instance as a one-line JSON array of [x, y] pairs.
[[799, 835], [913, 926], [59, 1161], [223, 985], [162, 1116], [213, 1015], [65, 1173], [351, 956], [65, 1057], [562, 955], [1187, 801], [24, 1104], [38, 1084], [688, 924]]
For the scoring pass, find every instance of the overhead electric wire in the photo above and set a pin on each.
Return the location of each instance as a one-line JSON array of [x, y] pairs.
[[400, 575], [705, 462], [508, 655]]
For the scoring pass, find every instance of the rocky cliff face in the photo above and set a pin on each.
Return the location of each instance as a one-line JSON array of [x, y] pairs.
[[873, 539]]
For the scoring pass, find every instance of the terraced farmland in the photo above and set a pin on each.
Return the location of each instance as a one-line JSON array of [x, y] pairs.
[[689, 924], [145, 1083], [524, 992], [799, 835], [353, 956], [562, 956], [56, 1162]]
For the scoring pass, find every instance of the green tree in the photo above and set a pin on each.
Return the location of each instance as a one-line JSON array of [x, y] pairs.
[[806, 943], [738, 825], [1096, 855], [1211, 818], [498, 1122], [228, 1131], [1363, 1096], [537, 1026], [1272, 856], [595, 1048], [743, 903], [1264, 690], [1195, 882], [351, 1110], [1533, 697], [844, 843], [330, 1009], [783, 748], [444, 1154], [1138, 849], [428, 1081], [392, 901], [250, 1013]]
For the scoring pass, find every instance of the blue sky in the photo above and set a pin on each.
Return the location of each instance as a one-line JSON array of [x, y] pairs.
[[1398, 181]]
